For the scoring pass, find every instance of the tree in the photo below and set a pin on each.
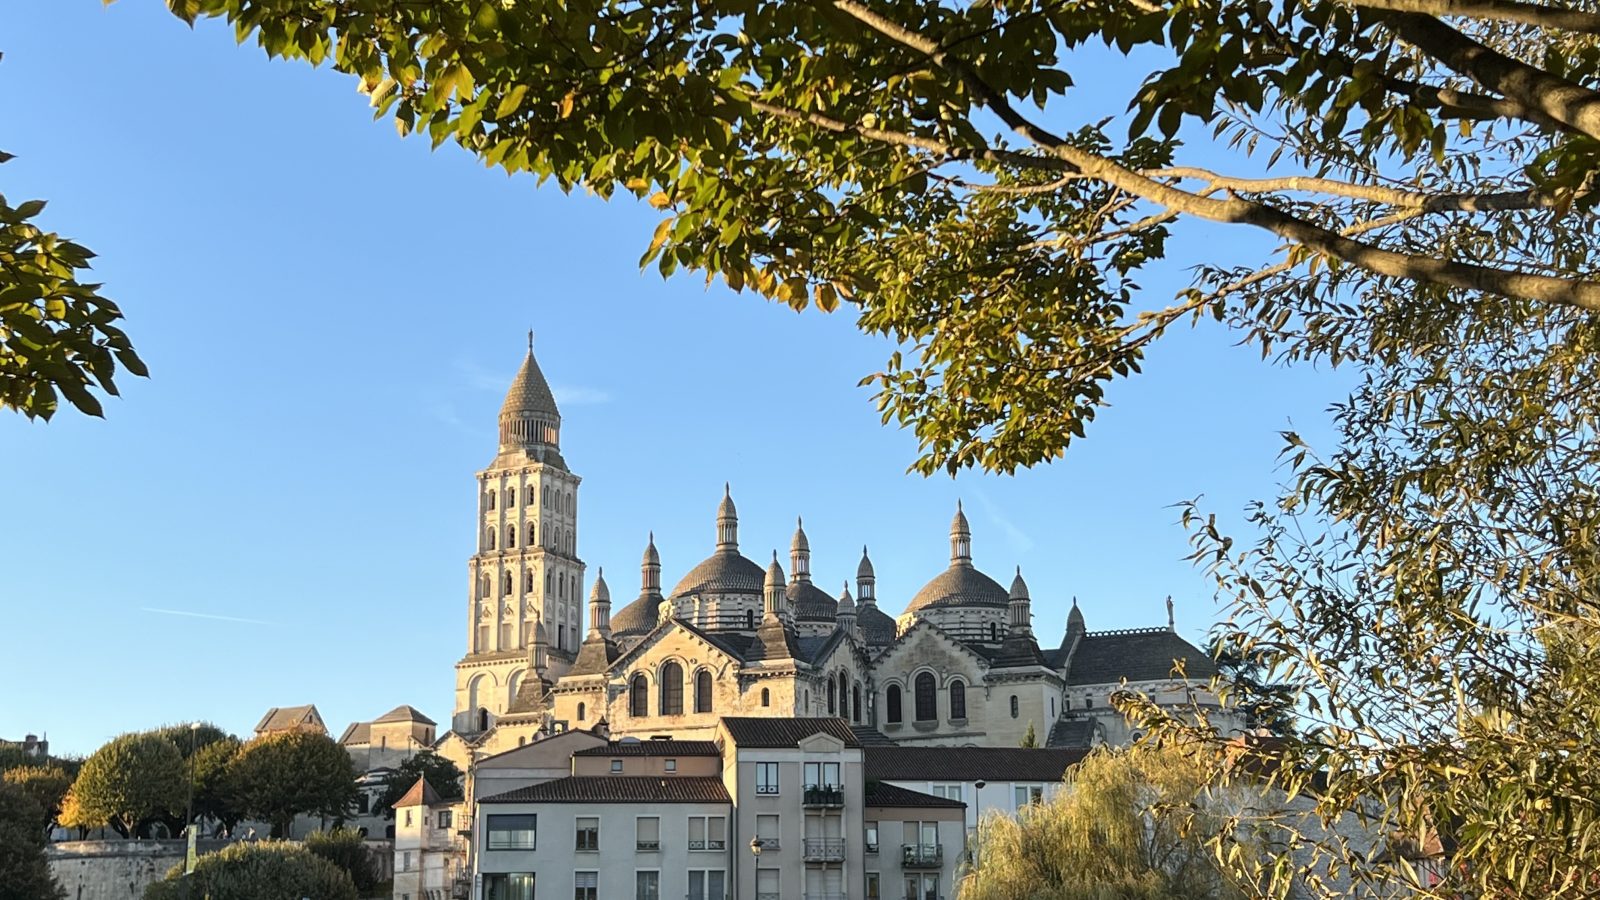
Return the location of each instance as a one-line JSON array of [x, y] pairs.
[[131, 779], [1266, 706], [255, 871], [1029, 738], [1129, 824], [440, 772], [279, 776], [923, 161], [24, 870], [214, 794], [47, 785], [347, 849]]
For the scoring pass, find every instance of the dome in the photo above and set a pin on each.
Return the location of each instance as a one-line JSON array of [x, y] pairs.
[[637, 617], [865, 569], [774, 576], [960, 586], [725, 572], [725, 509], [800, 544], [811, 603], [529, 393], [652, 557], [845, 601], [1019, 588], [877, 627], [600, 593]]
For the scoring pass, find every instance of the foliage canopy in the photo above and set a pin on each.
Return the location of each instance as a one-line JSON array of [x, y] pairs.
[[440, 772], [24, 871], [250, 871], [278, 776], [129, 780]]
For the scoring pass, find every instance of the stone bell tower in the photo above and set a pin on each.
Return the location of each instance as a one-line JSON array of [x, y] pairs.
[[526, 568]]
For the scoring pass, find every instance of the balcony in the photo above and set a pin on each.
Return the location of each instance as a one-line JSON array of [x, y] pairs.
[[773, 895], [822, 796], [824, 850], [810, 896], [922, 856], [716, 844], [648, 846]]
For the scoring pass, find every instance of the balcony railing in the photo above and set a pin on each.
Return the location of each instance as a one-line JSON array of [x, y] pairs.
[[824, 850], [811, 896], [709, 845], [461, 889], [773, 895], [921, 856], [648, 846], [823, 795]]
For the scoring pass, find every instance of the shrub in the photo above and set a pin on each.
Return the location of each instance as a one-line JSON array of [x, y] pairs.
[[269, 870], [347, 849]]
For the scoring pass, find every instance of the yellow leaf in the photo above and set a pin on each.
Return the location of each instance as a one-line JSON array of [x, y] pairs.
[[660, 237], [566, 104], [660, 200]]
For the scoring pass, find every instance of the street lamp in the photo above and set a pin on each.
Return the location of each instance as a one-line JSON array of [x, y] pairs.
[[977, 814], [755, 847]]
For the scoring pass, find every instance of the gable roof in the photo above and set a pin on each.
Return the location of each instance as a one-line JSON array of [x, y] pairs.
[[1075, 733], [1139, 654], [969, 763], [872, 737], [882, 794], [653, 748], [421, 794], [357, 733], [619, 789], [774, 733], [290, 718], [921, 626], [404, 713]]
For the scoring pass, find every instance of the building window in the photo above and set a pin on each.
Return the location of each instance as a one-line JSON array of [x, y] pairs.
[[648, 836], [444, 818], [533, 534], [511, 537], [585, 886], [506, 584], [616, 767], [994, 632], [1088, 702], [672, 689], [767, 832], [511, 832], [874, 887], [1024, 794], [708, 833], [363, 803], [707, 884], [823, 775], [408, 818], [855, 702], [1014, 706], [872, 837], [749, 620], [958, 699], [702, 691], [767, 884], [405, 861], [1052, 707], [833, 699], [947, 791], [766, 697], [489, 536], [767, 778], [587, 835], [892, 713], [922, 887], [671, 765], [508, 887], [927, 701], [581, 710], [491, 496], [639, 697]]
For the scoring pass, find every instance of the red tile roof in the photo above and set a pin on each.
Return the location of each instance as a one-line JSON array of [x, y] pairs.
[[774, 732], [878, 794], [653, 748], [970, 763], [619, 789]]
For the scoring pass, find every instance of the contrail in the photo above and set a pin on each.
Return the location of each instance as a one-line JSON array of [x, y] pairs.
[[195, 615]]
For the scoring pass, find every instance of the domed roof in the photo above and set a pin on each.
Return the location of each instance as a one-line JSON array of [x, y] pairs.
[[876, 625], [960, 586], [637, 617], [601, 592], [724, 572], [845, 601], [811, 603], [774, 574], [725, 509], [865, 569], [1019, 588], [652, 556]]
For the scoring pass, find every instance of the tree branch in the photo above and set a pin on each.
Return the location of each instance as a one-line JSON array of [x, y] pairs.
[[1496, 10]]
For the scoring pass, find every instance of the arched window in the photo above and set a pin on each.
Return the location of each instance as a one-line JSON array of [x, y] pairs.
[[702, 691], [561, 636], [833, 691], [749, 620], [561, 588], [511, 537], [489, 538], [547, 577], [491, 498], [528, 582], [892, 712], [483, 585], [506, 584], [581, 710], [994, 632], [1014, 706], [546, 495], [766, 697], [855, 703], [958, 699], [927, 700], [639, 697], [511, 497], [574, 587], [672, 689], [483, 719], [533, 535]]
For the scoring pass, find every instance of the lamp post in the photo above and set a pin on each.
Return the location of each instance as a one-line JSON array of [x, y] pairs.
[[977, 814], [755, 876]]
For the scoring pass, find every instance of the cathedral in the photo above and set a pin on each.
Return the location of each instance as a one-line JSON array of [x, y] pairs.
[[961, 665]]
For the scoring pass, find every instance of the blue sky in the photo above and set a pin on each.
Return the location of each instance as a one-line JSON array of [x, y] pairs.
[[331, 316]]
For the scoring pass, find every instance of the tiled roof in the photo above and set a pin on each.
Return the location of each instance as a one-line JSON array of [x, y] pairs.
[[724, 572], [876, 625], [772, 733], [733, 643], [871, 737], [594, 657], [653, 748], [1018, 651], [811, 603], [529, 392], [289, 718], [775, 640], [421, 794], [404, 713], [357, 733], [879, 794], [619, 789], [1145, 654], [1075, 733], [813, 648], [638, 617], [969, 763]]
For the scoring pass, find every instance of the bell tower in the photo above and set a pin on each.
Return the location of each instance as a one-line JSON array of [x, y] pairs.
[[525, 569]]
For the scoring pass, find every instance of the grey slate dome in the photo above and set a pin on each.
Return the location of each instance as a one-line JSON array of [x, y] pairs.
[[960, 586], [877, 627], [636, 618], [725, 572], [811, 603], [865, 569]]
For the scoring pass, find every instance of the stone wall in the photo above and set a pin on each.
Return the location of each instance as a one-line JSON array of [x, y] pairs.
[[116, 870]]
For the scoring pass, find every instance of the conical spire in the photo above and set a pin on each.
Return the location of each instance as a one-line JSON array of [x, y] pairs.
[[650, 570], [960, 539], [600, 607], [866, 581], [1021, 605], [845, 614], [772, 589], [529, 419], [800, 554], [727, 523], [1074, 621]]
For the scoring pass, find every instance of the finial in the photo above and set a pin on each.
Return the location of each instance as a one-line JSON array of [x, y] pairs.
[[652, 535], [774, 555], [958, 504], [1019, 571], [1074, 602], [799, 522], [727, 489], [863, 549], [530, 340], [601, 572]]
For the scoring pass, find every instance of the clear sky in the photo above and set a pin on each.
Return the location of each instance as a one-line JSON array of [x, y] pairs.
[[331, 316]]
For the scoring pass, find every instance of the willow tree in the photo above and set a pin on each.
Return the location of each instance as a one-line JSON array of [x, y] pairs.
[[1426, 166]]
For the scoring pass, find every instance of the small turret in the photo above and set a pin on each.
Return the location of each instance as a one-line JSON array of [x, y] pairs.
[[1075, 628], [845, 615], [960, 539], [650, 570], [1021, 605], [866, 581], [772, 590], [727, 523], [800, 554], [600, 607]]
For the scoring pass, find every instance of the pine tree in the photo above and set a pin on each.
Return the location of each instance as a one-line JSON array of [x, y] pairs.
[[1030, 740]]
